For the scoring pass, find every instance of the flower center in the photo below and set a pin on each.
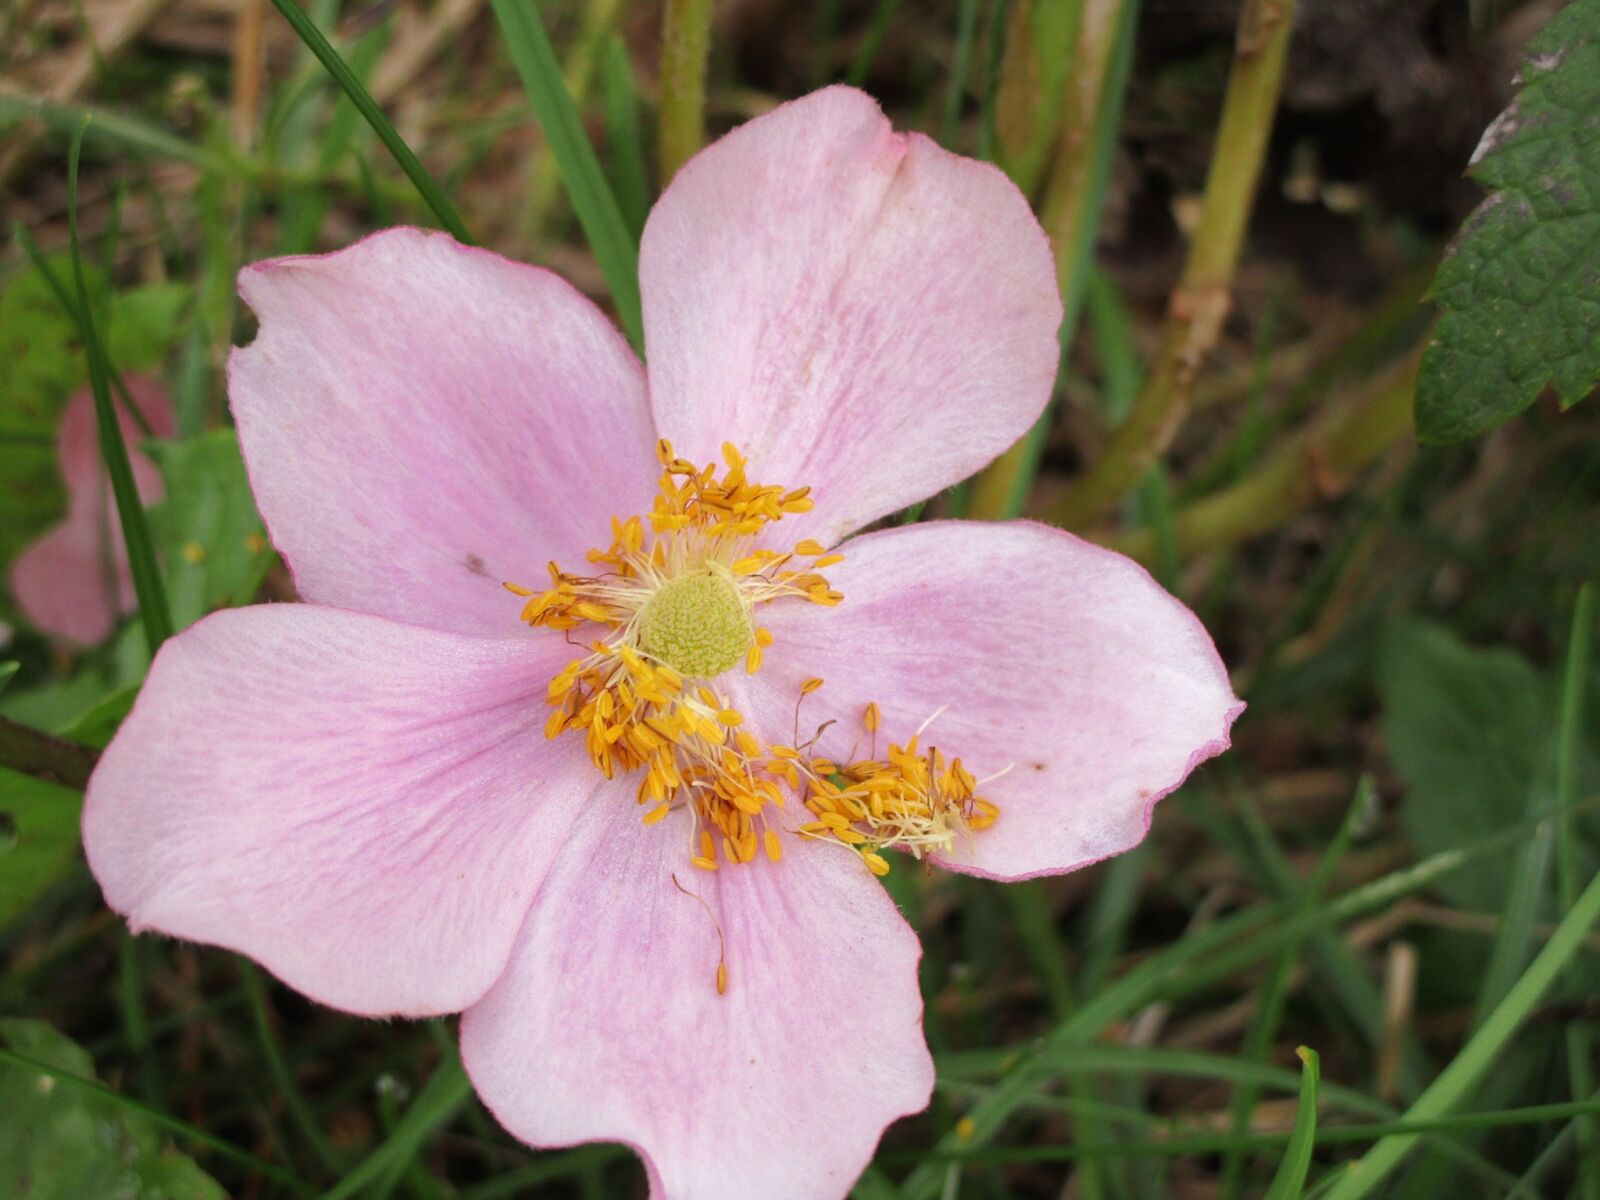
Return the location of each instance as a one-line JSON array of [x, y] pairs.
[[697, 624]]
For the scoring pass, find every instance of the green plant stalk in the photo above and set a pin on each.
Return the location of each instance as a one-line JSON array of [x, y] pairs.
[[1073, 204], [1041, 54], [867, 52], [1293, 477], [445, 1092], [960, 69], [1579, 1034], [153, 611], [625, 138], [331, 62], [685, 51], [45, 756], [1457, 1081], [1201, 301], [587, 188]]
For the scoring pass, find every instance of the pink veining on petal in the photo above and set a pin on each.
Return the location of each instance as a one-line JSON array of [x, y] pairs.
[[74, 582], [857, 310], [1060, 663], [607, 1024], [364, 807], [423, 421]]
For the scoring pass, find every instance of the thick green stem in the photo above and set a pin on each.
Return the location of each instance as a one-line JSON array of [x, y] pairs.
[[1201, 301], [685, 48], [1310, 467], [34, 752], [1074, 196]]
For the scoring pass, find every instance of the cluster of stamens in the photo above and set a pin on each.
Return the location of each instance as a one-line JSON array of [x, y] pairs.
[[676, 606], [911, 799]]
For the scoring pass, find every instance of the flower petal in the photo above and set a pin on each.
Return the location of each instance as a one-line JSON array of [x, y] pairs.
[[61, 581], [364, 807], [1059, 662], [607, 1024], [857, 310], [423, 421]]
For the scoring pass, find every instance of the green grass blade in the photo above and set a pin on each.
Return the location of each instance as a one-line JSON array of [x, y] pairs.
[[1458, 1079], [1198, 961], [299, 1111], [1290, 1180], [331, 62], [173, 1125], [1580, 1038], [437, 1103], [591, 197], [625, 137], [153, 612]]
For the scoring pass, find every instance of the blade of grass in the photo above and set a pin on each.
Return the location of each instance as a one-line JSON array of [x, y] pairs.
[[445, 1092], [1199, 960], [1456, 1082], [155, 1116], [153, 612], [294, 1100], [1336, 1135], [1263, 1029], [1579, 1034], [335, 65], [1290, 1181], [960, 69], [624, 137], [614, 248], [871, 42]]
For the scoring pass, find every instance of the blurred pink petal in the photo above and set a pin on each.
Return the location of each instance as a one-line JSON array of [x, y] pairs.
[[423, 420], [1039, 652], [364, 807], [60, 582], [606, 1025], [856, 309]]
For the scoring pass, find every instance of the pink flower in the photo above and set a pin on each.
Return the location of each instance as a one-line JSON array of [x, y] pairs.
[[74, 582], [598, 817]]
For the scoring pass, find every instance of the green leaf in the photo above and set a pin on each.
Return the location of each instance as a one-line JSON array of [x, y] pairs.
[[1290, 1180], [59, 1143], [212, 542], [1470, 733], [38, 841], [1520, 290]]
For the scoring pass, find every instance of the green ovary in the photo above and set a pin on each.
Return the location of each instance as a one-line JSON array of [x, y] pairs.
[[696, 624]]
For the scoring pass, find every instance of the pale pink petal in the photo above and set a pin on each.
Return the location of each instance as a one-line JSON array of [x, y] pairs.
[[423, 421], [607, 1024], [855, 309], [364, 807], [1060, 663], [74, 582]]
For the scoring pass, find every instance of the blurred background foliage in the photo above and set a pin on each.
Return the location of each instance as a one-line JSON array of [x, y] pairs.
[[1249, 203]]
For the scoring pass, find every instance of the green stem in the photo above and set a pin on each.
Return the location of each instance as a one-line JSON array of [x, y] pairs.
[[685, 50], [45, 756], [1074, 201], [1457, 1081], [1297, 475], [1202, 298]]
